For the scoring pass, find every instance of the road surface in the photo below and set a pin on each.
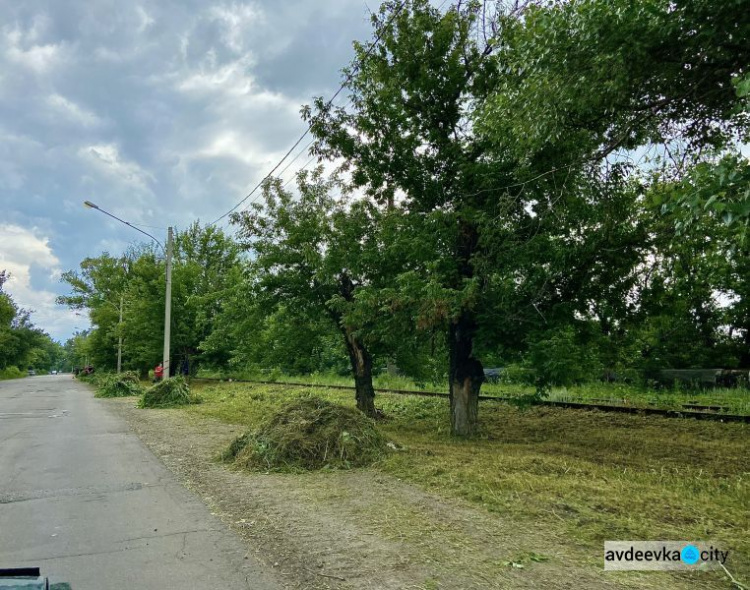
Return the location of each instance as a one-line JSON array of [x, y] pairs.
[[82, 498]]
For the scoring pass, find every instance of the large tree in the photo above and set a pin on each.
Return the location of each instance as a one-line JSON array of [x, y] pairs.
[[489, 245], [408, 143], [508, 140]]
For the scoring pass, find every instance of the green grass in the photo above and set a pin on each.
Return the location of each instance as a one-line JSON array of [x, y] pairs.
[[735, 400], [118, 385], [168, 393], [591, 475]]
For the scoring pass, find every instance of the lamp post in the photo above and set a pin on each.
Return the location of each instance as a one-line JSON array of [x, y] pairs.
[[168, 295]]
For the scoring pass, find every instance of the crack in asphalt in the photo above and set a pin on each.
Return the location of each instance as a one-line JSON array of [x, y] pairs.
[[121, 549], [10, 498]]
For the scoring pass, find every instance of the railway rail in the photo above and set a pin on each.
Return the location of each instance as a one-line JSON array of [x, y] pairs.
[[694, 411]]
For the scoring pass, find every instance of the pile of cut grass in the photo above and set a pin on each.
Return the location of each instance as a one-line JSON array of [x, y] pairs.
[[123, 385], [168, 393], [309, 433]]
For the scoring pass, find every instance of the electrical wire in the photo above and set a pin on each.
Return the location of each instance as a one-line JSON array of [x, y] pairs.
[[343, 85]]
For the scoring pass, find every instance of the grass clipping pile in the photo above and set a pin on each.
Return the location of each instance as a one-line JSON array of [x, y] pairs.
[[308, 434], [122, 385], [168, 393]]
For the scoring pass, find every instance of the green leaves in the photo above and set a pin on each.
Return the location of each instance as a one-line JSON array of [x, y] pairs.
[[718, 190], [206, 265], [22, 345]]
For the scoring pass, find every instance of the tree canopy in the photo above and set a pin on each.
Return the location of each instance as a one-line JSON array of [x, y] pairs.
[[555, 186]]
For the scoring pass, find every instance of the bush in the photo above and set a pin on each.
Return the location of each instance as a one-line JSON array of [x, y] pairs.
[[558, 358], [168, 394], [309, 433], [122, 385], [12, 373], [93, 378]]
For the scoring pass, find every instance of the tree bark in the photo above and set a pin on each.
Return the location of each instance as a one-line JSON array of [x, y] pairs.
[[359, 356], [465, 371], [745, 352], [465, 374], [362, 368]]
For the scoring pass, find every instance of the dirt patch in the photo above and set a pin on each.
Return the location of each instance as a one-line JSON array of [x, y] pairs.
[[365, 529]]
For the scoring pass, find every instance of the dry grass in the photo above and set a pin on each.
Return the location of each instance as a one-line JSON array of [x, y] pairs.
[[309, 433], [588, 476]]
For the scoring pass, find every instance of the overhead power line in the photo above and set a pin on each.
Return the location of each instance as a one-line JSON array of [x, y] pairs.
[[307, 131]]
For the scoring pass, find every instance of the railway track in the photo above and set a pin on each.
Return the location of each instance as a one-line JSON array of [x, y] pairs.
[[694, 411]]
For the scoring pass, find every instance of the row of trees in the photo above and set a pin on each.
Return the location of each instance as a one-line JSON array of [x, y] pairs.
[[23, 346], [553, 184]]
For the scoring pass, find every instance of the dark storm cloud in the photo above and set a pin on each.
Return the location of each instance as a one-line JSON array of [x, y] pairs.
[[160, 111]]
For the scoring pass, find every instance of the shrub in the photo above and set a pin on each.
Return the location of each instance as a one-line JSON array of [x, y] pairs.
[[309, 433], [122, 385], [93, 378], [168, 394], [12, 373], [558, 358]]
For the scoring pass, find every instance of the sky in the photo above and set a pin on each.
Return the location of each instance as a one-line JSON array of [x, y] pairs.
[[162, 112]]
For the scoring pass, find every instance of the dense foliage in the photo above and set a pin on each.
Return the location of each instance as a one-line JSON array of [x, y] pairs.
[[556, 187], [24, 347]]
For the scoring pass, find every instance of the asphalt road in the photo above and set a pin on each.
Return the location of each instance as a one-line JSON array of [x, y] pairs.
[[82, 498]]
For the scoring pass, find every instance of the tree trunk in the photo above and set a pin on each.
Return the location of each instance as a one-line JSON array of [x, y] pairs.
[[465, 371], [358, 355], [362, 368], [465, 374], [745, 352]]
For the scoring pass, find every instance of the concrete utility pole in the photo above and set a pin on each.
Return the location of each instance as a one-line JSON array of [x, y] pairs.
[[168, 306], [119, 342], [167, 303]]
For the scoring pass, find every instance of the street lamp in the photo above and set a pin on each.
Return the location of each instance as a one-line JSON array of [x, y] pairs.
[[168, 297]]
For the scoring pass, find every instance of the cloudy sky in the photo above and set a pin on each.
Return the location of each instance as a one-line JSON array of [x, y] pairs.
[[160, 111]]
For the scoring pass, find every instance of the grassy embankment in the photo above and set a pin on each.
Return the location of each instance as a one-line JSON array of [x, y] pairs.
[[590, 475]]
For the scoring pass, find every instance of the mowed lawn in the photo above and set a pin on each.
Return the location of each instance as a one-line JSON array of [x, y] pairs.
[[591, 475]]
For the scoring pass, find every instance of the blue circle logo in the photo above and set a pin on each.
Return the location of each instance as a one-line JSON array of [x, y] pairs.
[[690, 554]]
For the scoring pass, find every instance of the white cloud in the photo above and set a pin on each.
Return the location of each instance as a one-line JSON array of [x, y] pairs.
[[237, 20], [146, 19], [106, 159], [230, 78], [73, 112], [20, 249], [24, 48], [229, 144]]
